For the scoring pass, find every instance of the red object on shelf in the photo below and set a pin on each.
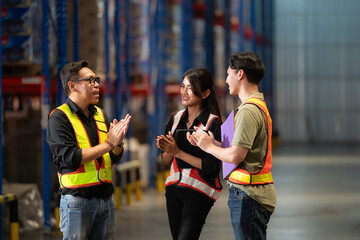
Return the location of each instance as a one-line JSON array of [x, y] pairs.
[[26, 85], [172, 89], [199, 10], [219, 18], [234, 24], [140, 85], [249, 33]]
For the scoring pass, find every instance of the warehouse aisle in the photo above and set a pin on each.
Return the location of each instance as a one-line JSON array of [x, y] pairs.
[[318, 198]]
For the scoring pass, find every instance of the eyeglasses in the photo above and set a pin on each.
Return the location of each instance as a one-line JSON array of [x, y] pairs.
[[91, 80]]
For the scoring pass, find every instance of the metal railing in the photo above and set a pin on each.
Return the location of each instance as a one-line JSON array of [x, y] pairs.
[[133, 183]]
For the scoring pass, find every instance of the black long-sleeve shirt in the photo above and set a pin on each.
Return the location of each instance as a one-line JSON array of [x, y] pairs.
[[210, 164], [66, 152]]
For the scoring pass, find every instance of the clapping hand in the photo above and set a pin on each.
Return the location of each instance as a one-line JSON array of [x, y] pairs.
[[167, 144], [200, 138], [118, 130]]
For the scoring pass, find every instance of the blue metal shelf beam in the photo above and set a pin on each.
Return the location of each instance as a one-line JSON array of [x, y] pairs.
[[227, 15], [186, 26], [158, 97], [209, 35], [268, 25], [252, 22], [118, 68], [126, 68], [44, 112], [61, 17], [76, 48], [1, 126], [107, 58]]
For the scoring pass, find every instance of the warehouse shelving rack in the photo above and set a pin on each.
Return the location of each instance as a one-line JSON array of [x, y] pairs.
[[158, 97]]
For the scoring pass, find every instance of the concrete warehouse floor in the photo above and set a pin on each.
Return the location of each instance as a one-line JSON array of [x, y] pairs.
[[318, 191]]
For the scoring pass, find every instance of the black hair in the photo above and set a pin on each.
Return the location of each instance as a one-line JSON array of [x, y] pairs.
[[200, 80], [250, 63], [70, 72]]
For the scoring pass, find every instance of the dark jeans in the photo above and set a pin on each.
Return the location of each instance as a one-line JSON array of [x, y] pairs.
[[248, 217], [187, 210]]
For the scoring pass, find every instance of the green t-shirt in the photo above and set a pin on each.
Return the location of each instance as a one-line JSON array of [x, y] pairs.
[[251, 133]]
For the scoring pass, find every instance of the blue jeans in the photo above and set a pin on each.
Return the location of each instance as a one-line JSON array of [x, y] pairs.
[[249, 219], [82, 218]]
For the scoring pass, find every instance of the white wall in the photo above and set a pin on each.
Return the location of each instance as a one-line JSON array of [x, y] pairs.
[[317, 70]]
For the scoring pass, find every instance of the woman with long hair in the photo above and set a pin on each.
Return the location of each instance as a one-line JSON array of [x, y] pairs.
[[193, 184]]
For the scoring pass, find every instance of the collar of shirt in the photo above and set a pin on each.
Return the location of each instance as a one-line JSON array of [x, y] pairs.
[[75, 109], [201, 118], [257, 94]]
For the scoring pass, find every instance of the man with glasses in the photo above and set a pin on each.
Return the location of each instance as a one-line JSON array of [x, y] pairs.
[[85, 145]]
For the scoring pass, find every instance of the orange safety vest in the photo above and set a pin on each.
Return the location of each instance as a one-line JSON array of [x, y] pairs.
[[244, 177], [190, 177], [90, 173]]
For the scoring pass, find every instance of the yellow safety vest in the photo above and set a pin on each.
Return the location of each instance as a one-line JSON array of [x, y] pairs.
[[264, 176], [91, 173]]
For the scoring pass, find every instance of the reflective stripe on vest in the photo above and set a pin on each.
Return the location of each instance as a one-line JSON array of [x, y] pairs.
[[179, 114], [90, 173], [189, 177], [242, 176]]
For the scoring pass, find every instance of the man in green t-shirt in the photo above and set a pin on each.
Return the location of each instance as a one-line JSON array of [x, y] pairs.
[[252, 196]]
